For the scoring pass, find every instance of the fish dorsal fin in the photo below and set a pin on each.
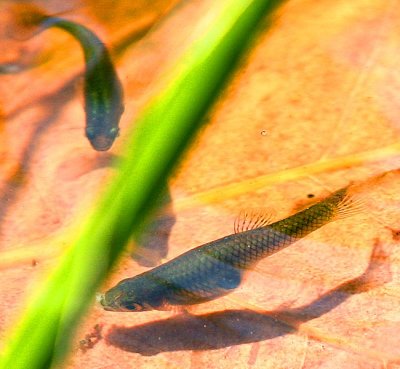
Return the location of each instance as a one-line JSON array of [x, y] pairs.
[[351, 204], [252, 219]]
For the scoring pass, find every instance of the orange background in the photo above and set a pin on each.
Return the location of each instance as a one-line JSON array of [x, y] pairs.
[[316, 95]]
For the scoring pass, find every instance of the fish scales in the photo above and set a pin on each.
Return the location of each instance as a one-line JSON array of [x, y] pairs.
[[216, 268]]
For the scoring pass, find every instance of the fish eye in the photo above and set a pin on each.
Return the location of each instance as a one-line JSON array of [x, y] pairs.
[[90, 133], [113, 131], [133, 306]]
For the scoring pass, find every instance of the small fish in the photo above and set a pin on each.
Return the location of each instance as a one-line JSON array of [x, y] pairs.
[[215, 269], [102, 89]]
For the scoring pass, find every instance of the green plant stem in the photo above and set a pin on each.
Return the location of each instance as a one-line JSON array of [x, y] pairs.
[[162, 132]]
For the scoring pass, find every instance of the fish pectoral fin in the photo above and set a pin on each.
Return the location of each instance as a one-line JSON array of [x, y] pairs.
[[229, 279], [252, 219]]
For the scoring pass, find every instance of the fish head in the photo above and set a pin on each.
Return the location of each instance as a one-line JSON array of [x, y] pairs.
[[102, 140], [102, 119], [130, 295]]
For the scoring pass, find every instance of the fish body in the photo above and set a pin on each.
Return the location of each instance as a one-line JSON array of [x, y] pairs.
[[103, 92], [212, 270], [102, 88]]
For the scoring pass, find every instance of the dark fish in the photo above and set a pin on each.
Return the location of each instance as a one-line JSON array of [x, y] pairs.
[[102, 89], [216, 268]]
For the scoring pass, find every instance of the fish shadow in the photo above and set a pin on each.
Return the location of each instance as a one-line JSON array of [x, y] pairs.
[[234, 327], [206, 332], [53, 105], [151, 239]]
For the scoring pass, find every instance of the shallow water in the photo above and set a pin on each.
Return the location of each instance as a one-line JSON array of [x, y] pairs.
[[312, 107]]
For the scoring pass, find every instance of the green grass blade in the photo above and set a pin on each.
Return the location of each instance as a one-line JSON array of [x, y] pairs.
[[162, 132]]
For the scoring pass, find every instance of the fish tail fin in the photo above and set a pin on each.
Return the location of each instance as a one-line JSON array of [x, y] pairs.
[[25, 21]]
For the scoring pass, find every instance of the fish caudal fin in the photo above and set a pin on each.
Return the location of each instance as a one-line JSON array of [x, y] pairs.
[[25, 21]]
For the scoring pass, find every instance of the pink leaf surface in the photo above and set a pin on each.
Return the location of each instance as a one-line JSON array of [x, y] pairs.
[[312, 107]]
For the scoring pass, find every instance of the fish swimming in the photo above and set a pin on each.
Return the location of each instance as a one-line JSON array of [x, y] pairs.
[[216, 268], [103, 92]]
